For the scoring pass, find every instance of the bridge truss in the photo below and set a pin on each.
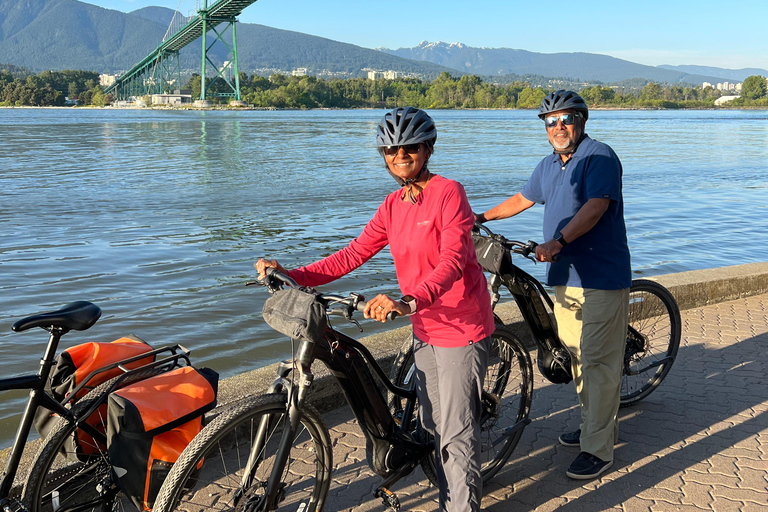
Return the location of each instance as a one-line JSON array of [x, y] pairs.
[[160, 70]]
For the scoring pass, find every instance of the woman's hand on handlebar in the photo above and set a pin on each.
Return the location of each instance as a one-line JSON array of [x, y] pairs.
[[380, 306], [262, 265], [548, 250]]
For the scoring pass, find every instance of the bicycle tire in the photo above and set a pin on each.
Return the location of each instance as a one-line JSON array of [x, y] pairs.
[[653, 339], [507, 391], [61, 480], [222, 448]]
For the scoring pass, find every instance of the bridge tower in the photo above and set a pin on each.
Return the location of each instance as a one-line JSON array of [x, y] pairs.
[[212, 22]]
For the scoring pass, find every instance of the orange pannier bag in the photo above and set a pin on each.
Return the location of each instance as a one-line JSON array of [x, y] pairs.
[[72, 367], [151, 422]]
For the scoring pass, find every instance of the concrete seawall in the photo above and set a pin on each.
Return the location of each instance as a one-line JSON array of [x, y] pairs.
[[691, 289]]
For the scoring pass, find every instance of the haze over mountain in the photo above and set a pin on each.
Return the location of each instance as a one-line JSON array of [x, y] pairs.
[[728, 74], [575, 66]]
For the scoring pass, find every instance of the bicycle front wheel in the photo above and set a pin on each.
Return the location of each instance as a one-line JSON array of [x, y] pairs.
[[507, 396], [653, 339], [209, 472], [69, 476]]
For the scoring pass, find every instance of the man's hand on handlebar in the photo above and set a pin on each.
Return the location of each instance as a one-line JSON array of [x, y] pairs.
[[262, 265], [548, 250], [380, 306]]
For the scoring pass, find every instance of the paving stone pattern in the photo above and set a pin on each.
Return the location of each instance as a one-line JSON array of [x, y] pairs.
[[699, 442]]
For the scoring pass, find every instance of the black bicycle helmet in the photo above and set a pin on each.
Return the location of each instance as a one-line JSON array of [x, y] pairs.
[[563, 100], [405, 125]]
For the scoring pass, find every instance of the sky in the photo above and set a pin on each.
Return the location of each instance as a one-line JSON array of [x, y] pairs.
[[675, 32]]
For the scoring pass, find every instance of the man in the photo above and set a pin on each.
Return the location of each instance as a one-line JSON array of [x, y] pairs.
[[580, 187]]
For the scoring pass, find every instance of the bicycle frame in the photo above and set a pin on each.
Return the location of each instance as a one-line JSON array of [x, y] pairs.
[[530, 297], [350, 362], [38, 397]]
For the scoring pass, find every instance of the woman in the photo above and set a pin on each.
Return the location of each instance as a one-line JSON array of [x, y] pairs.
[[427, 226]]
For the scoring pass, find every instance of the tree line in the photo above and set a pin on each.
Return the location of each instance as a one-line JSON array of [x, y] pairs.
[[50, 88], [465, 92]]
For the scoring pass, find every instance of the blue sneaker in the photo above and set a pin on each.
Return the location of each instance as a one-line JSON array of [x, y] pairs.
[[587, 466], [570, 439]]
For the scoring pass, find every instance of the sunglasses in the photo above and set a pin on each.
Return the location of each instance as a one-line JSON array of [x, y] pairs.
[[566, 119], [411, 149]]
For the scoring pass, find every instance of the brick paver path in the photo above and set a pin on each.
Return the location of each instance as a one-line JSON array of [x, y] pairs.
[[699, 442]]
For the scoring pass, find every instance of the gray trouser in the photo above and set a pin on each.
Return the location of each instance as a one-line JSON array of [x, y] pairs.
[[449, 384]]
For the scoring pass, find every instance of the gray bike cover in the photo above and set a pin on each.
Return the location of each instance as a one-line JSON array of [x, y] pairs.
[[295, 313]]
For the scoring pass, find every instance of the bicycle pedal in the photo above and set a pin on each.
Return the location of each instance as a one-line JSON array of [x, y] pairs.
[[388, 498]]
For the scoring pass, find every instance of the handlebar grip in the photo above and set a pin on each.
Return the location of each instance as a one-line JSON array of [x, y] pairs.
[[390, 316]]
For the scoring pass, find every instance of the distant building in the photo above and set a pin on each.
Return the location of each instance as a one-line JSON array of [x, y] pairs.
[[299, 72], [389, 74], [724, 99], [171, 100], [705, 85], [107, 80]]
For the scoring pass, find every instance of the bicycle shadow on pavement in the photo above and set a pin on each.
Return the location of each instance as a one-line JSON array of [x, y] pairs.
[[693, 441]]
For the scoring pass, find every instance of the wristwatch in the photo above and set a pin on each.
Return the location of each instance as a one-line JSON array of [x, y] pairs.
[[409, 301], [559, 238]]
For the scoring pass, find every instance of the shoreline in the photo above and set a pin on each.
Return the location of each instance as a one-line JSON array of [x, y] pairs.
[[252, 108]]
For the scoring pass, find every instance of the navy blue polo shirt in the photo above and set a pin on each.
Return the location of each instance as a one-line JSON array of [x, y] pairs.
[[600, 257]]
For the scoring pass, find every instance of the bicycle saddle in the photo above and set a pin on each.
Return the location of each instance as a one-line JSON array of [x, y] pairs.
[[78, 315]]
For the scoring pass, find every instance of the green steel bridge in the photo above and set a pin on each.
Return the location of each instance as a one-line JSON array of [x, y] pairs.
[[157, 72]]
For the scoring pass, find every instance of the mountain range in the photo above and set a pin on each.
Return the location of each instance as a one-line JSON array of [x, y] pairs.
[[583, 67], [69, 34]]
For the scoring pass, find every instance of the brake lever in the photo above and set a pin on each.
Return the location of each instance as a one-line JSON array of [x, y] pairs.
[[352, 306], [272, 285]]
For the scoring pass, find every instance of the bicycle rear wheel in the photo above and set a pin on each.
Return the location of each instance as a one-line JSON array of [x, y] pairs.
[[653, 339], [222, 450], [63, 478], [507, 396]]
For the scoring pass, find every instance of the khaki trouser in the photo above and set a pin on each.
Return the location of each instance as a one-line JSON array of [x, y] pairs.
[[593, 326]]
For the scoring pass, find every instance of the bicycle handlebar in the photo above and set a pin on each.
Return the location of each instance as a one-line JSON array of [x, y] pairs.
[[275, 280], [515, 246]]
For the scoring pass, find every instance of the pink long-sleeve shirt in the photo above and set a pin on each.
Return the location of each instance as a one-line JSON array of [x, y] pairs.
[[434, 259]]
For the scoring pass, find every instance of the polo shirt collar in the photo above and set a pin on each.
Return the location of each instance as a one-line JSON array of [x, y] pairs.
[[555, 158]]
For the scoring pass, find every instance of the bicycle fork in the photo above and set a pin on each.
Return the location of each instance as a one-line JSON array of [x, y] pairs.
[[274, 491]]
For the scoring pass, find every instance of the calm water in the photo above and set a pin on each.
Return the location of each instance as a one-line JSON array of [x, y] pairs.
[[157, 216]]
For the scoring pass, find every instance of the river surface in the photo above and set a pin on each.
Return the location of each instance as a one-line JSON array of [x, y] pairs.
[[157, 216]]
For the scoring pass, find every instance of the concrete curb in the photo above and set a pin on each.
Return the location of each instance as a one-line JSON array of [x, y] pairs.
[[691, 289]]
